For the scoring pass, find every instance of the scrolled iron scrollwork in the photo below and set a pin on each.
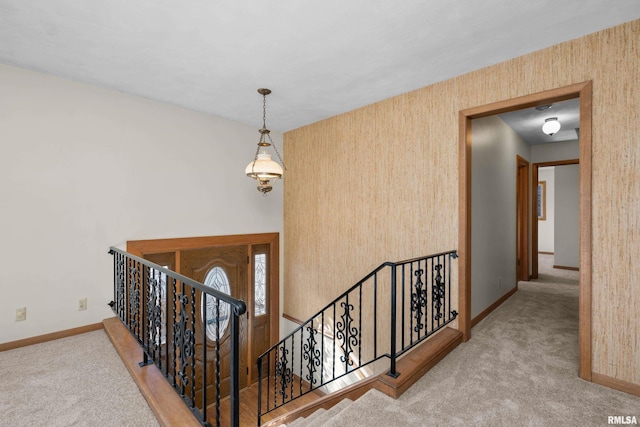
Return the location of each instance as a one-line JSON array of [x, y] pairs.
[[183, 339], [283, 372], [418, 301], [346, 334], [438, 293], [134, 296], [120, 286], [154, 309], [311, 355]]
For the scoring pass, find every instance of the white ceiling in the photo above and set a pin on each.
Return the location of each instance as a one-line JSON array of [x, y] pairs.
[[528, 122], [320, 58]]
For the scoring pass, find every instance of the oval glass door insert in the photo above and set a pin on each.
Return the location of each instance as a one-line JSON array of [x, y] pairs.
[[217, 311]]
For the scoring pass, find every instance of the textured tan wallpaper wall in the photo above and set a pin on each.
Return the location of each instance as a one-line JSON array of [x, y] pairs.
[[381, 183]]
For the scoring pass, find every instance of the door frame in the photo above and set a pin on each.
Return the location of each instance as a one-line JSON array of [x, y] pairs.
[[142, 247], [579, 90], [522, 219], [534, 218]]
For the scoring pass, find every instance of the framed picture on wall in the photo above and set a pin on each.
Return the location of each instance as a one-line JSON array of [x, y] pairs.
[[542, 200]]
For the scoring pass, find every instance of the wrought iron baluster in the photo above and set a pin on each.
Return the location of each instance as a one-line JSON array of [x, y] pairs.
[[283, 372], [322, 347], [293, 359], [438, 293], [204, 363], [184, 340], [301, 353], [275, 374], [154, 314], [193, 353], [433, 293], [174, 342], [217, 301], [134, 298], [235, 365], [402, 320], [347, 334], [259, 390], [119, 285], [311, 355], [333, 332], [360, 325], [411, 306], [392, 346], [269, 378], [375, 316], [418, 301]]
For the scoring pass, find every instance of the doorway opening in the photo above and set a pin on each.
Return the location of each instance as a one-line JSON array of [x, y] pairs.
[[584, 92], [535, 174]]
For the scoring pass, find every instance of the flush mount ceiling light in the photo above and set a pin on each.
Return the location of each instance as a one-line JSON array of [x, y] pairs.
[[263, 169], [551, 126]]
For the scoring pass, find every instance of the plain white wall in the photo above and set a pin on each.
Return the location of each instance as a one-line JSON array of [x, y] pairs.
[[493, 212], [567, 210], [566, 150], [546, 227], [83, 168]]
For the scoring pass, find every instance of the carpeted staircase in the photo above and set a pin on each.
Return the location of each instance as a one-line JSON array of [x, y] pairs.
[[321, 416]]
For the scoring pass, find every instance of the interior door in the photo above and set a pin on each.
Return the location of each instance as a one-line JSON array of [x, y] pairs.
[[225, 269]]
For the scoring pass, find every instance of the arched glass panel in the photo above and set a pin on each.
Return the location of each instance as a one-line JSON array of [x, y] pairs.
[[216, 279]]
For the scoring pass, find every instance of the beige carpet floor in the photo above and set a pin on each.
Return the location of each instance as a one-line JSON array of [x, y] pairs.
[[75, 381], [519, 369]]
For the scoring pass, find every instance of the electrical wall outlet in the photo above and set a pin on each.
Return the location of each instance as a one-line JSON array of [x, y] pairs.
[[82, 304], [21, 314]]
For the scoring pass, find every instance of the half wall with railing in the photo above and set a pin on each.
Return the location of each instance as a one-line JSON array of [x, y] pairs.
[[384, 315], [171, 316]]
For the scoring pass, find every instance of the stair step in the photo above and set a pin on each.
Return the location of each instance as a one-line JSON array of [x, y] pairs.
[[326, 415]]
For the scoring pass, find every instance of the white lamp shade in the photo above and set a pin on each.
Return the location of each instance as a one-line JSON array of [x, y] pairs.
[[263, 168], [551, 126]]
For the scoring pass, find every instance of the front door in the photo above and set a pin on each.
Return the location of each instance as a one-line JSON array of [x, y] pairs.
[[223, 268]]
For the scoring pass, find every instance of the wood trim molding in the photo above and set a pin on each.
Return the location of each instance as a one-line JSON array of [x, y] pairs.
[[141, 247], [292, 319], [492, 307], [545, 253], [563, 267], [522, 214], [464, 227], [584, 92], [534, 221], [50, 337], [585, 310], [616, 384]]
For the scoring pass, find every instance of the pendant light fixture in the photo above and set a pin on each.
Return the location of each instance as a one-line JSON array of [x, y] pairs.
[[263, 169], [551, 126]]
